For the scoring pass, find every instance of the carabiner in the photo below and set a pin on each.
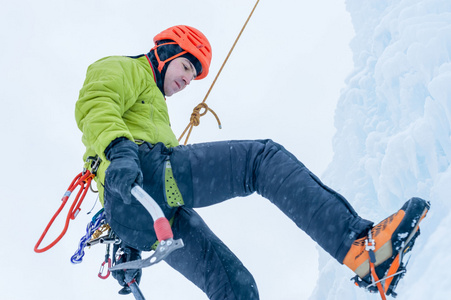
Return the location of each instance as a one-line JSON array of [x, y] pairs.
[[102, 268], [107, 260]]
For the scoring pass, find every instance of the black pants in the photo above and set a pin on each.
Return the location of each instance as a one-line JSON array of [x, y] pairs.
[[210, 173]]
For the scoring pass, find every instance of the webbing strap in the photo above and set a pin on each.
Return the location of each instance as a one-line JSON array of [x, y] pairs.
[[374, 275], [370, 246]]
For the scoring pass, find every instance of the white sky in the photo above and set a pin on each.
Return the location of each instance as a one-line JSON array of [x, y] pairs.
[[282, 82]]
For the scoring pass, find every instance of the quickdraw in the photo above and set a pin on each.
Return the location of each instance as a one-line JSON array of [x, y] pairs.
[[107, 262], [82, 180], [91, 229], [95, 235]]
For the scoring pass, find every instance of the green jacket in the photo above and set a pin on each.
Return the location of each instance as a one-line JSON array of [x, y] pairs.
[[120, 98]]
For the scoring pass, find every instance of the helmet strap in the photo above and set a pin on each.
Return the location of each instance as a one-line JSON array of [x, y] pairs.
[[162, 63]]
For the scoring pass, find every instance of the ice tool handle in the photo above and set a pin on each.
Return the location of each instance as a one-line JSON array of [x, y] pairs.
[[161, 224], [162, 229]]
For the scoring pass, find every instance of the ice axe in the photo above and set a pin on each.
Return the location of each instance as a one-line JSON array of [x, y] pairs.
[[163, 230]]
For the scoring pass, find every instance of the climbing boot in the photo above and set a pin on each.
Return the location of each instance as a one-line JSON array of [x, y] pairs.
[[377, 258]]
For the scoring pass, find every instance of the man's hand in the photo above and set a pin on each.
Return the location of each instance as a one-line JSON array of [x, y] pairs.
[[121, 254], [124, 169]]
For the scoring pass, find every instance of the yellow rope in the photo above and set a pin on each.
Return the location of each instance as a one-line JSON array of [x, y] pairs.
[[195, 116]]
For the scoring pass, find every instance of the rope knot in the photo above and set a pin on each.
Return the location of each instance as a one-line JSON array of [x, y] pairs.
[[195, 119], [195, 116]]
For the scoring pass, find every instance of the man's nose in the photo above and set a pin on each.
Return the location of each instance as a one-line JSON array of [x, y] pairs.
[[187, 80]]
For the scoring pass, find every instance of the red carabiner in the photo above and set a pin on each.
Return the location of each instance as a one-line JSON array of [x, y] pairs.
[[102, 268]]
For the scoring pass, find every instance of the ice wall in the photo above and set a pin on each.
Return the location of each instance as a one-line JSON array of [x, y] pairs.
[[393, 140]]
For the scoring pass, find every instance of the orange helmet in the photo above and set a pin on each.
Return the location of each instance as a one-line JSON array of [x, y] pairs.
[[191, 41]]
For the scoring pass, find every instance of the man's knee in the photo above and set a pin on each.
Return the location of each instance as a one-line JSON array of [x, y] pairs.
[[241, 286]]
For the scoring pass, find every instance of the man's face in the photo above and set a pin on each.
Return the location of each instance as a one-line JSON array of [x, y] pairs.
[[179, 74]]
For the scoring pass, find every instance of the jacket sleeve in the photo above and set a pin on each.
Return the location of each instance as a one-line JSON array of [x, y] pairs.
[[109, 90]]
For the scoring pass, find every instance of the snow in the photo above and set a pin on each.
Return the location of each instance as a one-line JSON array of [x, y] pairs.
[[358, 90], [395, 112]]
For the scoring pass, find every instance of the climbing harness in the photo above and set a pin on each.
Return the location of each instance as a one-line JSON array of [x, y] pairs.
[[195, 116], [82, 180]]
